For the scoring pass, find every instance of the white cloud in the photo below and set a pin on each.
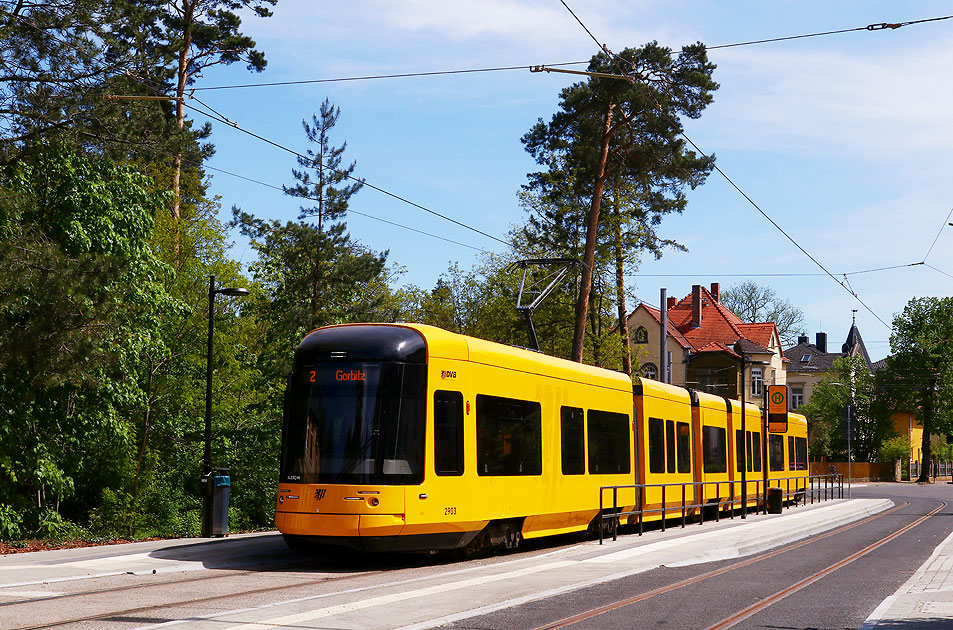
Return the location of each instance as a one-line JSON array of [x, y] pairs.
[[836, 101]]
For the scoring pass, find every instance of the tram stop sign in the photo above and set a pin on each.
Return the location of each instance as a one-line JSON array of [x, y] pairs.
[[777, 408]]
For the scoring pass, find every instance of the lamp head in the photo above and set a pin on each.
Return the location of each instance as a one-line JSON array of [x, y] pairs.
[[232, 291]]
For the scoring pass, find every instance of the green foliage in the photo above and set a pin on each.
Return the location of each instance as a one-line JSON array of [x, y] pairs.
[[848, 382], [52, 526], [103, 294], [81, 296], [10, 522], [117, 514], [312, 274], [895, 448], [919, 372]]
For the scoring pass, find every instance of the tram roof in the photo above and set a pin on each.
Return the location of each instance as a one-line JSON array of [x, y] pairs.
[[449, 345]]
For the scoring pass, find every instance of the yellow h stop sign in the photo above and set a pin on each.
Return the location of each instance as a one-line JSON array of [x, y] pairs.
[[777, 408]]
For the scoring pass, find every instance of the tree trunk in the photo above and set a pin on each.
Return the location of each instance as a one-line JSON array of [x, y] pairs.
[[620, 287], [146, 422], [188, 15], [927, 421], [589, 255]]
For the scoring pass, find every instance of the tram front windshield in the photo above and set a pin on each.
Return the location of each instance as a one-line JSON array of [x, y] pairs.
[[355, 423]]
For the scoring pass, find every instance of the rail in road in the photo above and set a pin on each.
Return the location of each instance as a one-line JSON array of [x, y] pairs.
[[276, 588]]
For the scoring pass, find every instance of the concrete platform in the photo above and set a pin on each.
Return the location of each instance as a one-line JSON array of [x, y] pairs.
[[925, 601]]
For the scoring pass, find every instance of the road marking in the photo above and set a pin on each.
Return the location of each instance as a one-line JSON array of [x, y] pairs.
[[329, 611], [227, 618], [773, 599], [908, 587]]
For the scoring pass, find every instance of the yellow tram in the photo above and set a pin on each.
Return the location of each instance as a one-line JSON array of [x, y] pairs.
[[409, 437]]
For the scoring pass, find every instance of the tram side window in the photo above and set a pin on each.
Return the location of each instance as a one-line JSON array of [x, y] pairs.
[[756, 442], [608, 442], [714, 449], [792, 458], [740, 451], [509, 436], [800, 446], [670, 446], [448, 433], [684, 447], [573, 441], [656, 445], [776, 451]]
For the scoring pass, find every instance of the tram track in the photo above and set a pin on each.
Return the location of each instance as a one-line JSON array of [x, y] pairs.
[[182, 602], [765, 602], [146, 585], [818, 575]]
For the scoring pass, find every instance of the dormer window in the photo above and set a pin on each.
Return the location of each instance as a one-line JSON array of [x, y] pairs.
[[805, 358]]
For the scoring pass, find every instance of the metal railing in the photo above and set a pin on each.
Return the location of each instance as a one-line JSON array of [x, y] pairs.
[[935, 468], [813, 488]]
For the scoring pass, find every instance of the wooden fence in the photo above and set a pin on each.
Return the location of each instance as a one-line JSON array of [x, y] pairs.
[[859, 471], [877, 471]]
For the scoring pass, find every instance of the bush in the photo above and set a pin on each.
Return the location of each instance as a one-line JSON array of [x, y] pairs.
[[895, 448], [10, 521], [118, 515], [54, 527]]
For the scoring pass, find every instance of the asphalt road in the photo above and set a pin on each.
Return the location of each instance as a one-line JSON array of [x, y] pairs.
[[839, 599], [254, 581]]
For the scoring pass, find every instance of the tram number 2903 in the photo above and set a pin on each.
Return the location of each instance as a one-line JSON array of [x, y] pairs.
[[449, 510]]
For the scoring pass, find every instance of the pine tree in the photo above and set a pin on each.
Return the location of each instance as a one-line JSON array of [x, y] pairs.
[[608, 128]]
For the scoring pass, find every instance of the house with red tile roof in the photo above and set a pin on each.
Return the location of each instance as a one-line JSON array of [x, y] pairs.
[[705, 343]]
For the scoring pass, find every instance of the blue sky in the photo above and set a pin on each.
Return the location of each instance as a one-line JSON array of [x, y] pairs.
[[845, 140]]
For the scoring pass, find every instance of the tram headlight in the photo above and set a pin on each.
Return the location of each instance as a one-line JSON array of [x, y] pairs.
[[374, 501]]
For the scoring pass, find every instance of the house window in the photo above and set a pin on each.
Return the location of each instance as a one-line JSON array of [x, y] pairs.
[[650, 371], [757, 381], [806, 358], [797, 398], [641, 335]]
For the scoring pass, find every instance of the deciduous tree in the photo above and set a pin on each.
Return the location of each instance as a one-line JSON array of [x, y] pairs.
[[754, 302], [81, 294], [919, 372], [848, 382]]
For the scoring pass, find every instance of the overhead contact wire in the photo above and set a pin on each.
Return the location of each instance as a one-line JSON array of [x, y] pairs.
[[350, 211], [938, 232], [403, 75], [786, 235], [844, 283], [351, 177]]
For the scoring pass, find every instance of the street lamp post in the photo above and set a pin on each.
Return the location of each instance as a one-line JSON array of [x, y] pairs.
[[738, 348], [207, 460]]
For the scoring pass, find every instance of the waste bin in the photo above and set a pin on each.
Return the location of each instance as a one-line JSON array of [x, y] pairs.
[[215, 486], [775, 500], [220, 489]]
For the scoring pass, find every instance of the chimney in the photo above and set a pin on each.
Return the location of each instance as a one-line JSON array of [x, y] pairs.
[[821, 342], [802, 339], [716, 291], [671, 303], [696, 306]]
